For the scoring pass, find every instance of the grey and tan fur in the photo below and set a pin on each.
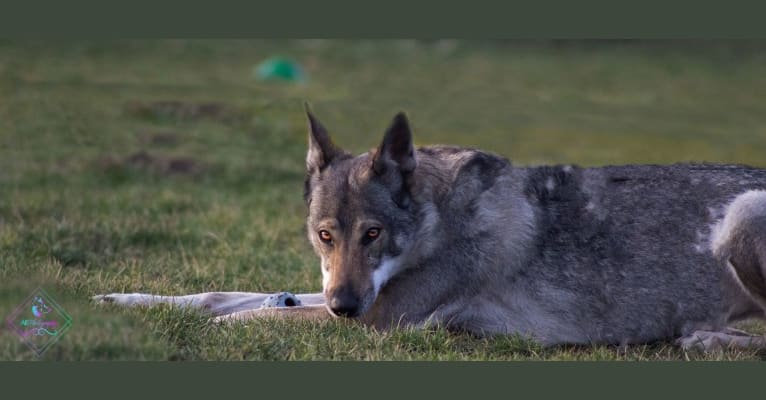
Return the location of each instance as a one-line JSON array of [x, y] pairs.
[[461, 238]]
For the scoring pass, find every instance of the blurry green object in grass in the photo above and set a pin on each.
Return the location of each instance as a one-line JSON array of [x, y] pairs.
[[280, 69]]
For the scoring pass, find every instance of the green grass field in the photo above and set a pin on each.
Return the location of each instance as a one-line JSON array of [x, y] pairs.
[[165, 167]]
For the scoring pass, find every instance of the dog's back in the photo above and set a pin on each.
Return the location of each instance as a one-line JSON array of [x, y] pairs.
[[624, 254]]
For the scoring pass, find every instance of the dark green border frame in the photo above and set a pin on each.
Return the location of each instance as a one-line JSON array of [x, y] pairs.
[[301, 380], [383, 19]]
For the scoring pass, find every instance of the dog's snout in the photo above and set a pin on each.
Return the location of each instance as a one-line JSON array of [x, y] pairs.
[[344, 304]]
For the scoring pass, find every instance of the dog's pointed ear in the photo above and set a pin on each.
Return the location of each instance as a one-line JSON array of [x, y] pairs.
[[321, 148], [396, 150]]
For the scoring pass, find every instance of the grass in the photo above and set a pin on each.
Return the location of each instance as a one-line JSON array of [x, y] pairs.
[[165, 167]]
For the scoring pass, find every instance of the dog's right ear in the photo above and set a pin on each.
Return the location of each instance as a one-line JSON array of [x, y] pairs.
[[397, 152], [321, 149]]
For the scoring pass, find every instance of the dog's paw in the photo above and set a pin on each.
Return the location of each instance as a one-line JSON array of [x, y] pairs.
[[711, 342], [702, 341]]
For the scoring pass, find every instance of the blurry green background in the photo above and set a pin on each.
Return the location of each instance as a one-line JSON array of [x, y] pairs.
[[168, 167]]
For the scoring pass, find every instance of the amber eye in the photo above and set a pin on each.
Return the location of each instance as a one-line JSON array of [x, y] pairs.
[[325, 236], [373, 233]]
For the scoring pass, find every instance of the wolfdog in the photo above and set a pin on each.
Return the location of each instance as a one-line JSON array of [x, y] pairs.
[[460, 238]]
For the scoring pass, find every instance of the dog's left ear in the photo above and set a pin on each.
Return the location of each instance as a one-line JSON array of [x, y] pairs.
[[396, 151], [321, 150]]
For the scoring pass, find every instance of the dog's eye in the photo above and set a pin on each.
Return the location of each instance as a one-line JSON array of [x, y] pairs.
[[325, 236], [373, 233]]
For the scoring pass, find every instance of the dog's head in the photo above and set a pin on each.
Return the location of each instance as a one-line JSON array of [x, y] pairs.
[[360, 217]]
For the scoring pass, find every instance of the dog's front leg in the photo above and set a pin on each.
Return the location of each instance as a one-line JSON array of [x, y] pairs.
[[217, 303], [309, 312], [711, 341]]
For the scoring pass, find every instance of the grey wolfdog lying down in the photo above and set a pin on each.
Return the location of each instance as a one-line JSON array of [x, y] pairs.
[[564, 255]]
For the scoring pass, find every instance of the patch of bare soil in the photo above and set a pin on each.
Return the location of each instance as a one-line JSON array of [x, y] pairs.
[[162, 138], [156, 164], [181, 110]]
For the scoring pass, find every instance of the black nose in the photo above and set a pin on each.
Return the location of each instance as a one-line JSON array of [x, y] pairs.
[[344, 304]]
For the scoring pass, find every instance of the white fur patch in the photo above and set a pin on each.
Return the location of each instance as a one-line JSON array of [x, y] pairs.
[[387, 269], [423, 246], [745, 206]]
